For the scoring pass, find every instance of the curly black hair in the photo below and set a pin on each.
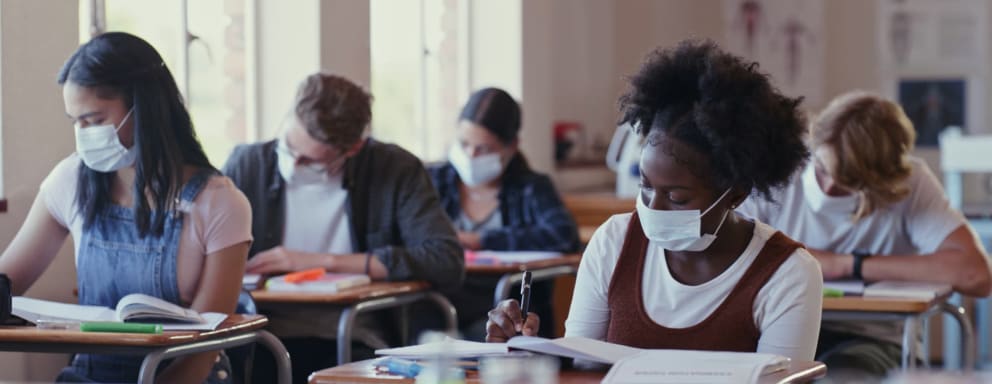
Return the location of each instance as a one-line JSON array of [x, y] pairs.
[[723, 107]]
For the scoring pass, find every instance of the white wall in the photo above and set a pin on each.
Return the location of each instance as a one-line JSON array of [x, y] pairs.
[[344, 39], [35, 39], [288, 37]]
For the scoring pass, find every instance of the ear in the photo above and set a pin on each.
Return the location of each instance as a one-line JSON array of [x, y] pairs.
[[737, 197], [356, 148], [513, 146]]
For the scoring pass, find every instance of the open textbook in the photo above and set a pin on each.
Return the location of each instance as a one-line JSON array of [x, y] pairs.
[[134, 307]]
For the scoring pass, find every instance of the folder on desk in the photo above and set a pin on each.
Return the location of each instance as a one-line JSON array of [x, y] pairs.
[[907, 289], [328, 283], [507, 257]]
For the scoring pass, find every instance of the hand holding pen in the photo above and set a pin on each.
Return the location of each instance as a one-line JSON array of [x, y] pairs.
[[507, 319]]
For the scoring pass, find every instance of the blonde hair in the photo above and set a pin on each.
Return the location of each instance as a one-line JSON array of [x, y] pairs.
[[871, 138]]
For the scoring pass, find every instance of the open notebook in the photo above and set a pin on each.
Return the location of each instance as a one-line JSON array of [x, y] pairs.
[[134, 307]]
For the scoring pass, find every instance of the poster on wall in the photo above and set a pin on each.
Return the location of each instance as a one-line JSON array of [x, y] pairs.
[[925, 34], [785, 37], [933, 105], [933, 56]]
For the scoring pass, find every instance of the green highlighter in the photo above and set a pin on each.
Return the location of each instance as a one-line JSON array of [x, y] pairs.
[[109, 326], [831, 292]]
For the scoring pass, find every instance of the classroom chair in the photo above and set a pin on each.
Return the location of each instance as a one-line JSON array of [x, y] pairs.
[[960, 154]]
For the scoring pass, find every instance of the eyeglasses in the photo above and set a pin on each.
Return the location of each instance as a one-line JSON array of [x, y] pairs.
[[314, 165]]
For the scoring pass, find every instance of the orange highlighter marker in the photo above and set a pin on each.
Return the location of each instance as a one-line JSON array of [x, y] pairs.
[[301, 276]]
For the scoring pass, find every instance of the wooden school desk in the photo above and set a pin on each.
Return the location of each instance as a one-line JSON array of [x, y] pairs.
[[235, 331], [513, 273], [914, 313], [364, 372], [353, 301]]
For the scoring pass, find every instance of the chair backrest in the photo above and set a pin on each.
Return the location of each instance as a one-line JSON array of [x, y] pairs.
[[961, 154], [594, 209]]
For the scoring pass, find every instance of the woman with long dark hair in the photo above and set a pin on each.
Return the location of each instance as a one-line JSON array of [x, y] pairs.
[[147, 211], [497, 202]]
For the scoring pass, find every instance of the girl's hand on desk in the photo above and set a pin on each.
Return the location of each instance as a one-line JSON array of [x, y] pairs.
[[279, 260], [505, 322], [835, 266], [470, 241]]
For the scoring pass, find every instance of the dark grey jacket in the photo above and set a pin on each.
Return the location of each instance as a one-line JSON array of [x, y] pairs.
[[393, 208]]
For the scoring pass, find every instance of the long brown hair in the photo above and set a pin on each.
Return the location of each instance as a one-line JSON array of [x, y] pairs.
[[871, 138]]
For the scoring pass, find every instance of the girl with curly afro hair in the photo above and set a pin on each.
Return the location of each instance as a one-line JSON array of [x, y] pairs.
[[684, 270]]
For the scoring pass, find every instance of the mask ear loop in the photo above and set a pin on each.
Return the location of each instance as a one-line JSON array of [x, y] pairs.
[[715, 202], [725, 213], [723, 220], [127, 116]]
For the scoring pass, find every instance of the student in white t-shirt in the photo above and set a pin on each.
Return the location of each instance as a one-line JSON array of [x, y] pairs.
[[868, 210], [685, 271]]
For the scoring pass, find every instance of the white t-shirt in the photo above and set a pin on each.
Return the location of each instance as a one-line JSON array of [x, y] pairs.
[[317, 217], [916, 225], [786, 309], [219, 218]]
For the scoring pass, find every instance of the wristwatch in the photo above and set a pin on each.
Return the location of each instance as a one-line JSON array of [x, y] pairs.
[[859, 259]]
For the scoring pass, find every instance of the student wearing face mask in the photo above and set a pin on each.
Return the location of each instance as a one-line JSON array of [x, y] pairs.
[[497, 202], [684, 271], [137, 196], [868, 210], [327, 196]]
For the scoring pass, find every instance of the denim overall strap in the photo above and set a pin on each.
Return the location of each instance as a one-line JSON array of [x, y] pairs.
[[115, 261]]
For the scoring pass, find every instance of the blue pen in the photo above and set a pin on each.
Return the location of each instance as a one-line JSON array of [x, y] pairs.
[[402, 367]]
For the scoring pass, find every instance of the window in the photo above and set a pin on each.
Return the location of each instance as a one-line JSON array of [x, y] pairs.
[[419, 67], [203, 44]]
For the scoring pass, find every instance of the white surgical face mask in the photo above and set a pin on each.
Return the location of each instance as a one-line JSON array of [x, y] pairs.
[[677, 230], [475, 171], [819, 201], [298, 174], [101, 149]]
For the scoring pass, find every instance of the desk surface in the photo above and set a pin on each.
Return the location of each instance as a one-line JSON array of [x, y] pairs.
[[364, 372], [879, 304], [500, 269], [348, 296], [27, 334]]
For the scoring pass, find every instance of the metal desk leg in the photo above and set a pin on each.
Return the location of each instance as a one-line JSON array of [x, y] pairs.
[[952, 344], [283, 363], [404, 314], [509, 280], [908, 344], [450, 314], [982, 327], [925, 353], [149, 365], [504, 286], [345, 325], [967, 334], [154, 359]]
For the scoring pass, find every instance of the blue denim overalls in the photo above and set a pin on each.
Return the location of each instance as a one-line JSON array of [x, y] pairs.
[[114, 262]]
